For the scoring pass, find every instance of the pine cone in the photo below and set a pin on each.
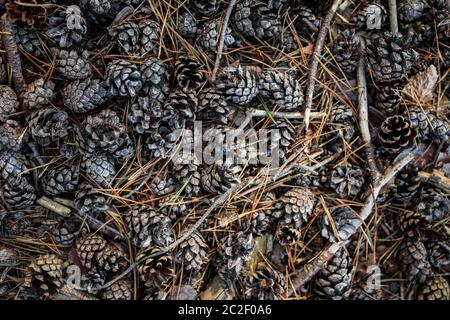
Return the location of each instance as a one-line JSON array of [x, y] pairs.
[[39, 93], [433, 205], [150, 36], [206, 7], [60, 179], [427, 125], [45, 274], [410, 220], [438, 15], [334, 280], [281, 137], [345, 221], [295, 206], [388, 59], [92, 281], [346, 51], [89, 201], [155, 271], [104, 133], [238, 85], [96, 254], [410, 10], [288, 236], [388, 100], [219, 178], [144, 115], [47, 125], [98, 7], [26, 12], [83, 96], [189, 73], [413, 259], [73, 65], [406, 185], [347, 181], [343, 122], [100, 169], [12, 136], [439, 253], [187, 25], [192, 254], [233, 250], [12, 165], [212, 106], [120, 290], [163, 185], [155, 79], [395, 134], [305, 21], [147, 226], [370, 17], [264, 284], [8, 102], [67, 26], [28, 41], [65, 232], [264, 218], [435, 288], [123, 78], [18, 193], [209, 36], [281, 89], [127, 34]]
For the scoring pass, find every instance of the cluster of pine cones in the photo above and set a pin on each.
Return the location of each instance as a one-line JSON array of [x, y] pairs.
[[92, 181]]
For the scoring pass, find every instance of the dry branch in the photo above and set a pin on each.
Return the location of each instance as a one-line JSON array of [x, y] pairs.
[[364, 117], [393, 15], [315, 61], [222, 39]]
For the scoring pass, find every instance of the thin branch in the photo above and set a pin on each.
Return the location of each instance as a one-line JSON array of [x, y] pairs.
[[393, 15], [222, 39], [120, 17], [286, 115], [54, 206], [315, 62], [436, 179], [364, 117], [12, 54], [311, 269]]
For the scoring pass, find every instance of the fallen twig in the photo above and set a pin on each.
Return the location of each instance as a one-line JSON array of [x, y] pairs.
[[222, 39], [364, 117], [393, 15], [12, 54], [315, 61], [437, 179], [54, 206], [311, 269]]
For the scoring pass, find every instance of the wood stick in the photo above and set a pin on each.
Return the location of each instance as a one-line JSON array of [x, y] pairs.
[[54, 206], [286, 115], [393, 15], [315, 62], [364, 117], [222, 39]]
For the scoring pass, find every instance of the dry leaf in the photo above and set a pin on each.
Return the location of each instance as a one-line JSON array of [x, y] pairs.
[[420, 87]]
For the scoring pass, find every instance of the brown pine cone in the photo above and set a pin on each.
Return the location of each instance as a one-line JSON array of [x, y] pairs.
[[45, 274], [435, 288], [413, 257], [295, 206], [155, 271], [120, 290], [264, 284], [395, 134]]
